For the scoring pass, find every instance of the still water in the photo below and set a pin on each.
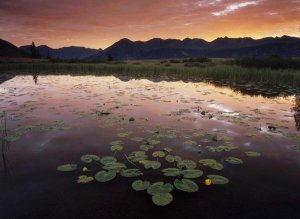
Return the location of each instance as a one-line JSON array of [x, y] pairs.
[[48, 121]]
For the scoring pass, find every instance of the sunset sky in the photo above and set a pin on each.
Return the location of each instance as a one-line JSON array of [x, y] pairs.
[[99, 23]]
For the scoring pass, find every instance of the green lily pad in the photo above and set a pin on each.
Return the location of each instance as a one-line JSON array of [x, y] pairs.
[[89, 158], [105, 176], [192, 173], [189, 164], [152, 164], [67, 167], [146, 147], [84, 179], [116, 166], [177, 158], [218, 180], [117, 142], [172, 172], [152, 142], [168, 149], [137, 156], [252, 154], [108, 159], [221, 148], [234, 160], [212, 163], [162, 199], [138, 139], [190, 142], [158, 154], [159, 188], [116, 147], [186, 185], [140, 185], [131, 173], [170, 158]]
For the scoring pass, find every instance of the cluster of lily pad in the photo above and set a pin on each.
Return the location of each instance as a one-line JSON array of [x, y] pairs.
[[183, 173]]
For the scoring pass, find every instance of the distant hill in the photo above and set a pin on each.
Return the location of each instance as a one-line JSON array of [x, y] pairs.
[[10, 51], [66, 53], [156, 48]]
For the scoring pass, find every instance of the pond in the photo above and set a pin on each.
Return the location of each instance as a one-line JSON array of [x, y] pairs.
[[115, 146]]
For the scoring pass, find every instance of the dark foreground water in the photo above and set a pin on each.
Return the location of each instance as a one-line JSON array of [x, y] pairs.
[[53, 120]]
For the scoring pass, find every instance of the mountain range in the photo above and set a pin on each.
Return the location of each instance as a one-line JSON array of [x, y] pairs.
[[157, 48]]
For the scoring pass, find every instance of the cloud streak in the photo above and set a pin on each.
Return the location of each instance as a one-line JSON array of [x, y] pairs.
[[233, 7]]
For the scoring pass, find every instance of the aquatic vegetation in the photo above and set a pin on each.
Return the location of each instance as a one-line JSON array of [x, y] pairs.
[[152, 164], [159, 187], [208, 182], [108, 159], [212, 164], [89, 158], [84, 179], [105, 176], [172, 172], [253, 154], [218, 180], [158, 154], [192, 173], [140, 185], [189, 164], [162, 199], [186, 185], [234, 160], [67, 167], [131, 173]]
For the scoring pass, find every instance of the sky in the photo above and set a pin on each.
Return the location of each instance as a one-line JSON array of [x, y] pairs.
[[100, 23]]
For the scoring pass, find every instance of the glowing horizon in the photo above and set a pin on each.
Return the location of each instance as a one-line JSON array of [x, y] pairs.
[[100, 23]]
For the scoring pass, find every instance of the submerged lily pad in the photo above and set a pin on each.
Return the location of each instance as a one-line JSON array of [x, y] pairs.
[[212, 163], [172, 172], [158, 154], [108, 159], [252, 154], [192, 173], [218, 180], [131, 173], [162, 199], [67, 167], [105, 176], [140, 185], [189, 164], [152, 164], [89, 158], [84, 179], [186, 185], [159, 188], [234, 160]]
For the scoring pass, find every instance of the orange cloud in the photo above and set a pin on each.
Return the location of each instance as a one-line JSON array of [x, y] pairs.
[[99, 23]]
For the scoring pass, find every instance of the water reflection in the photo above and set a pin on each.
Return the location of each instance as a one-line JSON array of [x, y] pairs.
[[4, 143], [296, 109]]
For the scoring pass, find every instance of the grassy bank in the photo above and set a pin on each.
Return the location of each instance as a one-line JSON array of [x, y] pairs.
[[215, 69]]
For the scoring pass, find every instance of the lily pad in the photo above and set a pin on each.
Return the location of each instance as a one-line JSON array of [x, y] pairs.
[[218, 180], [252, 154], [162, 199], [152, 164], [168, 150], [192, 173], [137, 156], [189, 164], [186, 185], [89, 158], [177, 158], [84, 179], [234, 160], [105, 176], [170, 158], [67, 167], [116, 147], [152, 142], [159, 188], [107, 160], [172, 172], [116, 166], [140, 185], [158, 154], [131, 173], [221, 148], [212, 163]]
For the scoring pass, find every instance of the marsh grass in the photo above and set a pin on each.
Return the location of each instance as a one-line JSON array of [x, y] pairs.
[[226, 70]]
